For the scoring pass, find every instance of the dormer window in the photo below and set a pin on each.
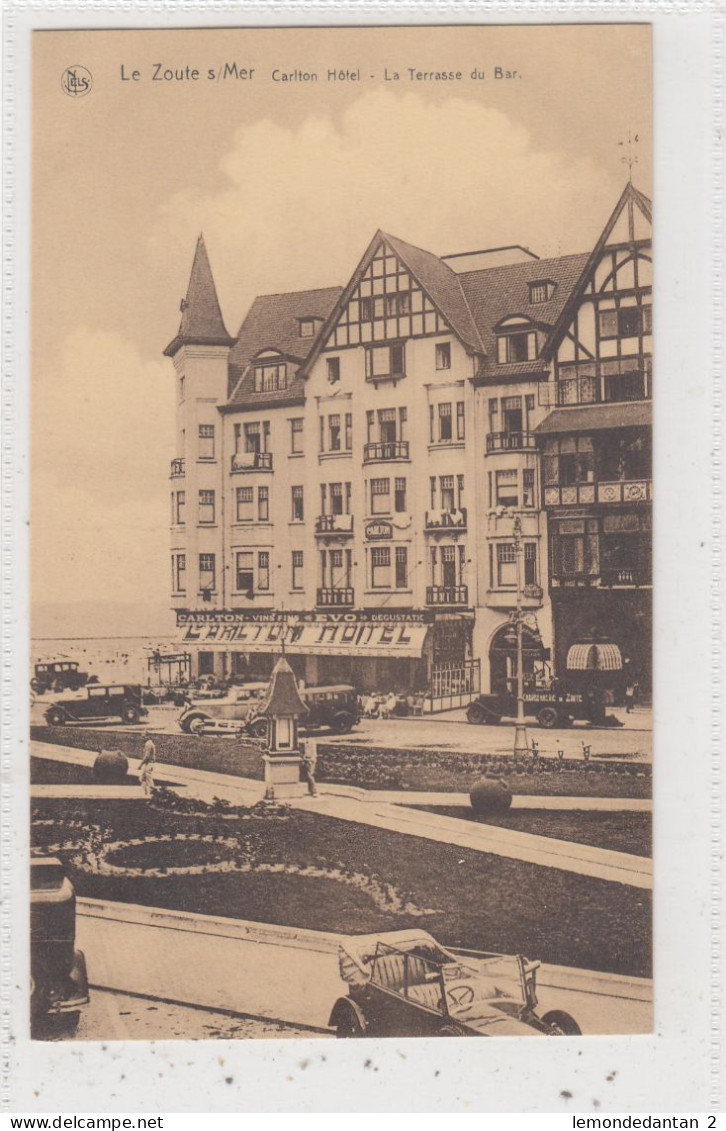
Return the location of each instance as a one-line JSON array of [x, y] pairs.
[[516, 341], [308, 327], [270, 372], [541, 290]]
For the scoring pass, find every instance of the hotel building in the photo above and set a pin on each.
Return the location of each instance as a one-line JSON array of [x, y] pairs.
[[350, 464]]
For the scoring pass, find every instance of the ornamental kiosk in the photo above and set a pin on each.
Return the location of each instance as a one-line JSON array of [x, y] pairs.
[[283, 707]]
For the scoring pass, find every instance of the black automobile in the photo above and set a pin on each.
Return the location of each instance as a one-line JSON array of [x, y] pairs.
[[58, 978], [335, 708], [549, 708], [117, 701], [59, 675]]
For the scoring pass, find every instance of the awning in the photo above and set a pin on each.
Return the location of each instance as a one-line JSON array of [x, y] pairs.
[[596, 417], [357, 638], [594, 658]]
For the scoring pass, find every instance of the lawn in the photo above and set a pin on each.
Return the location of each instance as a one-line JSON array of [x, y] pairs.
[[355, 879], [45, 771], [622, 832], [379, 767]]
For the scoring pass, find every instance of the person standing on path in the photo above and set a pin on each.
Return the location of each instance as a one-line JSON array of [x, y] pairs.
[[309, 763], [147, 765]]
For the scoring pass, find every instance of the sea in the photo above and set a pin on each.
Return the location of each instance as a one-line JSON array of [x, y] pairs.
[[114, 659]]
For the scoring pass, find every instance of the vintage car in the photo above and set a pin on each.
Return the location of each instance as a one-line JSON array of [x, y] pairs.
[[118, 700], [549, 708], [404, 984], [59, 675], [58, 979], [335, 707]]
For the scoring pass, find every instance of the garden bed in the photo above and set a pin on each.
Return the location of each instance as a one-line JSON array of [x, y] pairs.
[[302, 869], [375, 767], [621, 832]]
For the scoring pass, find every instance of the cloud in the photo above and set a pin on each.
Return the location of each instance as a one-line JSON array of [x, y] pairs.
[[296, 207]]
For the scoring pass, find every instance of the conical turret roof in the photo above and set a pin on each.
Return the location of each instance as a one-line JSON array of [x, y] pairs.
[[201, 321], [283, 697]]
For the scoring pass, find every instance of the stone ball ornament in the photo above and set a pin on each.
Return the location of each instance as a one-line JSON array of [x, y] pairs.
[[490, 795], [111, 767]]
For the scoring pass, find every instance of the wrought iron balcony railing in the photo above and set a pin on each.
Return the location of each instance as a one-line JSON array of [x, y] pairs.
[[390, 449], [178, 468], [510, 441], [334, 597], [447, 595], [252, 461], [446, 519], [334, 524]]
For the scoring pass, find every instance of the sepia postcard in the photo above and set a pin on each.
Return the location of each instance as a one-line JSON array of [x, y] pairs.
[[340, 654]]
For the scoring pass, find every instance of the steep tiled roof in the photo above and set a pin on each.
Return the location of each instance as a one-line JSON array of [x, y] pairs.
[[496, 293], [201, 320], [444, 288], [272, 322]]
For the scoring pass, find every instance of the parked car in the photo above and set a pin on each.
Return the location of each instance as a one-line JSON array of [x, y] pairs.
[[59, 675], [549, 708], [334, 707], [118, 700], [405, 984], [58, 978]]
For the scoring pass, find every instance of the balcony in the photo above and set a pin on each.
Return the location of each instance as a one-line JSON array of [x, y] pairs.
[[335, 598], [446, 519], [178, 468], [447, 595], [626, 577], [251, 461], [510, 441], [389, 450], [334, 524], [583, 494]]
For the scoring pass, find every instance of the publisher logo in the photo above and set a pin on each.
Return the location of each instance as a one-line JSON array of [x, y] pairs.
[[77, 81]]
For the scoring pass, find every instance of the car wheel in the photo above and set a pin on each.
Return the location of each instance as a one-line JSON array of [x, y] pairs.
[[196, 726], [55, 717], [130, 714], [58, 685], [258, 728], [448, 1031], [59, 1025], [562, 1024], [36, 686], [547, 718], [342, 723], [348, 1026]]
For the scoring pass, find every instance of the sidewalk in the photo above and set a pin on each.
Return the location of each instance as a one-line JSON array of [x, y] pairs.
[[348, 805]]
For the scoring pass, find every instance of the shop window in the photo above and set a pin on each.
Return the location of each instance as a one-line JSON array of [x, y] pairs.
[[380, 496], [298, 575], [298, 510], [506, 566], [206, 663], [245, 504], [207, 571], [206, 507], [443, 355], [401, 567], [296, 436], [506, 488], [399, 496], [263, 504], [206, 441], [381, 567]]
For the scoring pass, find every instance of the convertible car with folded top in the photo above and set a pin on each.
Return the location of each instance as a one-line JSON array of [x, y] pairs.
[[404, 984]]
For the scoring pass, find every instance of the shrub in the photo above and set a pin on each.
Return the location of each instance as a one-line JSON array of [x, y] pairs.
[[490, 795]]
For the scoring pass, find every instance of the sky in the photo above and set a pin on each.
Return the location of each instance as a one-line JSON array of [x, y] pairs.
[[288, 181]]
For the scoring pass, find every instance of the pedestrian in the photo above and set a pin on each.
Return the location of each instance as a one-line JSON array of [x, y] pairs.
[[309, 764], [629, 696], [147, 765]]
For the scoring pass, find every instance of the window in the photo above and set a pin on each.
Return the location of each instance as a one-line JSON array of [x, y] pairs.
[[206, 441], [528, 487], [381, 567], [307, 327], [333, 368], [252, 437], [380, 496], [541, 291], [399, 496], [384, 361], [506, 566], [334, 432], [448, 566], [512, 415], [336, 498], [446, 483], [298, 513], [296, 435], [626, 322], [348, 431], [245, 574], [263, 570], [519, 346], [181, 388], [443, 355], [263, 504], [460, 489], [506, 489], [387, 425], [530, 563], [270, 375], [207, 571], [179, 572], [206, 507], [385, 306], [445, 431], [297, 569], [179, 509], [245, 504], [460, 422], [401, 567], [370, 419], [336, 568]]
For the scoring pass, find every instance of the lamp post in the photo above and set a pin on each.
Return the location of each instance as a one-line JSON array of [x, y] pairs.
[[520, 732]]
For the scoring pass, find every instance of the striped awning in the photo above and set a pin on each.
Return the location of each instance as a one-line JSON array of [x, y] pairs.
[[594, 658]]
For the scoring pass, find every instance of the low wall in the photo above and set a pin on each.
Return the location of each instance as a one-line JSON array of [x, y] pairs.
[[290, 974]]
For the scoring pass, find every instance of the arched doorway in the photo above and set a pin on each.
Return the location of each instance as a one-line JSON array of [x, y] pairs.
[[503, 658]]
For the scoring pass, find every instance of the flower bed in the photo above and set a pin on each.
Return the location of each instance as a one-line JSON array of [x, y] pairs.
[[621, 832], [326, 874]]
